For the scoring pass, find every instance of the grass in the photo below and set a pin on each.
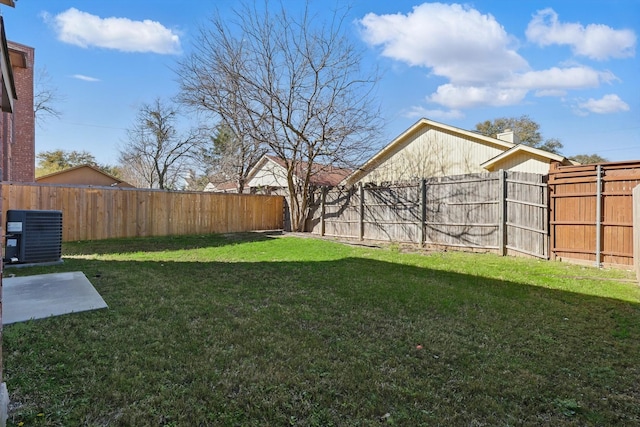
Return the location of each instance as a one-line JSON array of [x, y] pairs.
[[250, 330]]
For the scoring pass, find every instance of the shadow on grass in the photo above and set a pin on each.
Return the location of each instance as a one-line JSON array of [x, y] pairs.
[[342, 342], [163, 243]]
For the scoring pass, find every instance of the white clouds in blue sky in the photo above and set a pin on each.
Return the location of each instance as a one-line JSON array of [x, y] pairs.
[[606, 105], [418, 112], [454, 41], [595, 41], [86, 30], [85, 78], [480, 60], [571, 68], [561, 80]]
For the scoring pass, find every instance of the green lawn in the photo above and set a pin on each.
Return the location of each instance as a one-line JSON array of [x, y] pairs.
[[252, 330]]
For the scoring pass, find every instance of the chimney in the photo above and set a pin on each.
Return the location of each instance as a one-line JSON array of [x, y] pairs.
[[508, 136]]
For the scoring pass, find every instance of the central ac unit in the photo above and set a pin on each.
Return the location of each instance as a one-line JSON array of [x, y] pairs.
[[33, 236]]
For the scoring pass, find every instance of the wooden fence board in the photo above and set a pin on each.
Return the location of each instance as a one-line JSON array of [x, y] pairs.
[[392, 213], [636, 230], [94, 213], [527, 213], [462, 212], [341, 217], [578, 232], [505, 212]]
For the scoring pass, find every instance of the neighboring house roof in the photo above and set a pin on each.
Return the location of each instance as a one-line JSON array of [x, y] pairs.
[[322, 175], [507, 150], [494, 163], [222, 187], [83, 175]]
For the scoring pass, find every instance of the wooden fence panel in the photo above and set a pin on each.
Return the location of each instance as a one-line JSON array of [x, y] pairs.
[[636, 231], [94, 213], [591, 212], [527, 214], [462, 211], [392, 213], [503, 212], [341, 216], [617, 213]]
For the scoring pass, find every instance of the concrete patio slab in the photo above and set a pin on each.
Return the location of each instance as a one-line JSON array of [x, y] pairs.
[[45, 295]]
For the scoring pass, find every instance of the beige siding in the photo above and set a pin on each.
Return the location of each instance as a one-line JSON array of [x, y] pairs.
[[269, 175], [523, 162], [432, 152]]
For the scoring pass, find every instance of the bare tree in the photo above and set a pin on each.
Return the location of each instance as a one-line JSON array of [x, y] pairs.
[[289, 83], [193, 181], [46, 97], [155, 155], [227, 157]]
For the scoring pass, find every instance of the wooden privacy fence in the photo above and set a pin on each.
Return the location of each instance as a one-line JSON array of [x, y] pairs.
[[636, 231], [506, 212], [591, 212], [94, 213]]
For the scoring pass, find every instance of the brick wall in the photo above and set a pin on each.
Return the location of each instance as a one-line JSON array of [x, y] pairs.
[[17, 157]]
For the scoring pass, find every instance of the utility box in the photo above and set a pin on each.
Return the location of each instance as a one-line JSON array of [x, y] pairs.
[[33, 236]]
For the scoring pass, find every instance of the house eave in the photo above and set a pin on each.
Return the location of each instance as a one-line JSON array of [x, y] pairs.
[[9, 93], [541, 154]]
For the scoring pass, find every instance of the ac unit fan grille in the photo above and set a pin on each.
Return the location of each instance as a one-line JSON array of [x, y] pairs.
[[33, 236], [42, 236]]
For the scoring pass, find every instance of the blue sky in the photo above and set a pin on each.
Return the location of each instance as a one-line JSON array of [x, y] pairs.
[[571, 66]]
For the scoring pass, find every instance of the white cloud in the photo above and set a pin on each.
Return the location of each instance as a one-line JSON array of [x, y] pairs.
[[561, 79], [455, 41], [419, 112], [454, 96], [550, 92], [85, 78], [594, 41], [606, 105], [86, 30], [479, 59]]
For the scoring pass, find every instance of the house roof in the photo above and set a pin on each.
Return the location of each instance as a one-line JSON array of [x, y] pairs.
[[520, 148], [226, 186], [322, 175], [394, 145], [117, 181]]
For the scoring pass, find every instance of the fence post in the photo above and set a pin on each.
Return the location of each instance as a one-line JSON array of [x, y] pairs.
[[502, 214], [323, 200], [423, 211], [361, 190], [546, 221], [599, 216]]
